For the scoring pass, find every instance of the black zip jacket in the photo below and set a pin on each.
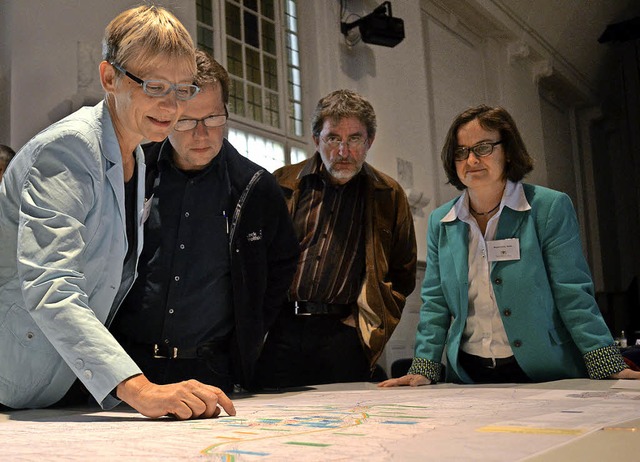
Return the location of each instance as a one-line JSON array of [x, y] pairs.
[[263, 251]]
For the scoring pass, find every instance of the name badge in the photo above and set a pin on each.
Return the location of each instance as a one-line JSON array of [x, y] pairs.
[[147, 209], [503, 250]]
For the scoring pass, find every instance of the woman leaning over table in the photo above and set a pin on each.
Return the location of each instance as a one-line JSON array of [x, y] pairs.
[[71, 213], [507, 290]]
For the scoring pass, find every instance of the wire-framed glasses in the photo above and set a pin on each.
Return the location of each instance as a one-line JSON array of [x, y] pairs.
[[158, 88], [480, 150], [216, 120], [352, 142]]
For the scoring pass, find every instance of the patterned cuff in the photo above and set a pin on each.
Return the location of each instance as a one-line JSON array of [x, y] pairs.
[[603, 362], [430, 369]]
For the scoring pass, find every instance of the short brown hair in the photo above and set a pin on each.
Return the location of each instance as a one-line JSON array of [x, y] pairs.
[[518, 161], [341, 104], [211, 72]]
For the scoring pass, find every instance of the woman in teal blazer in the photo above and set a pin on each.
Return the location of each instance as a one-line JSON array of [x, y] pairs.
[[507, 293]]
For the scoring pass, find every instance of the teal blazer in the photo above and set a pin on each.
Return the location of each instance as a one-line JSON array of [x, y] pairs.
[[545, 298]]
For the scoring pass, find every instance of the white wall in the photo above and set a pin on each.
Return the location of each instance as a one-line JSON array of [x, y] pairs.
[[54, 54]]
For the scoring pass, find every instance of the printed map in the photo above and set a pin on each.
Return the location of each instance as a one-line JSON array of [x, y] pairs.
[[455, 424]]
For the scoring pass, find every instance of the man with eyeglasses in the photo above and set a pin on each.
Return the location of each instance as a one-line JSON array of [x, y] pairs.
[[358, 259], [219, 250]]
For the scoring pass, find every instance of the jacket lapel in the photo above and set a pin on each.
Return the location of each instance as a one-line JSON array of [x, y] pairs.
[[510, 223], [457, 235]]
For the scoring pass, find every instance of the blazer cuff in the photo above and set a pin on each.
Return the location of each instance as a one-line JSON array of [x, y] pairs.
[[603, 362], [430, 369]]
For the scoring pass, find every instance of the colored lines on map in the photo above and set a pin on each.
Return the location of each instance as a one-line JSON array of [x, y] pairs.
[[269, 428], [312, 427]]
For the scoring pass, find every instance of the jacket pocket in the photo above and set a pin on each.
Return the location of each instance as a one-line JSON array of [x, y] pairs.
[[29, 359], [559, 336]]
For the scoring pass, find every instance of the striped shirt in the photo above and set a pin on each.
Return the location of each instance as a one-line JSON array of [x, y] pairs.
[[329, 224]]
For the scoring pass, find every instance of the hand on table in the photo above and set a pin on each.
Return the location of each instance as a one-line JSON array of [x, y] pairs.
[[413, 380], [626, 374], [185, 400]]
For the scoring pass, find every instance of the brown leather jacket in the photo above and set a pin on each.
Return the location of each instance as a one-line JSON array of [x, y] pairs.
[[390, 253]]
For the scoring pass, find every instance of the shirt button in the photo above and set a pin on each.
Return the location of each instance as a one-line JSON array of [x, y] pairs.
[[79, 364], [507, 312], [87, 374], [517, 343], [30, 335], [166, 341], [186, 214], [497, 281], [171, 311], [177, 278], [181, 246]]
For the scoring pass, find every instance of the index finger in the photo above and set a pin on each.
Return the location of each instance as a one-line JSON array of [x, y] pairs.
[[222, 399], [225, 402]]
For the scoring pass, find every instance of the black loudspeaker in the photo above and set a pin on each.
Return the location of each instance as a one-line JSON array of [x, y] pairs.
[[378, 28]]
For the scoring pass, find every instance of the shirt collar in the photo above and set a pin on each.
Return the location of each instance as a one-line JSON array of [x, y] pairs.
[[513, 197], [165, 160]]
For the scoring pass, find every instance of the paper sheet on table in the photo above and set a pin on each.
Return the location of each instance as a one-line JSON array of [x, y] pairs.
[[627, 384]]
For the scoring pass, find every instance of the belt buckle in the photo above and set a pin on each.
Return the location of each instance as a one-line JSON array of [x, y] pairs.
[[157, 355], [297, 307]]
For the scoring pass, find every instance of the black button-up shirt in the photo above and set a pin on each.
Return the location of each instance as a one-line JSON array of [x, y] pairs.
[[182, 296]]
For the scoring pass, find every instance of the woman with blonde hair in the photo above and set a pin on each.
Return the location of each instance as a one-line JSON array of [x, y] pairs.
[[71, 224]]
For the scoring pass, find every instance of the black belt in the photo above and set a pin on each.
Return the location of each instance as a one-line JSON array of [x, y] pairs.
[[314, 308], [163, 351], [489, 363]]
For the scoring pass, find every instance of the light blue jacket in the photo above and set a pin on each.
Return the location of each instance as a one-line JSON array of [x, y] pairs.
[[545, 298], [63, 242]]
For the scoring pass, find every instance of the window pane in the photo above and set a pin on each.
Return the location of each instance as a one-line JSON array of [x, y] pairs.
[[234, 58], [232, 15], [298, 155], [294, 76], [292, 19], [205, 39], [268, 37], [267, 153], [253, 66], [254, 103], [272, 110], [270, 73], [251, 35], [236, 97], [294, 106], [292, 42], [204, 12], [268, 9], [251, 4]]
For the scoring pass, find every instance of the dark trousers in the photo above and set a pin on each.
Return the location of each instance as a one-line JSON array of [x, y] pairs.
[[311, 350], [213, 368], [508, 372]]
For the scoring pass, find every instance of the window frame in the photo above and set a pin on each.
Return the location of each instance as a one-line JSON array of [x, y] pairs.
[[285, 134]]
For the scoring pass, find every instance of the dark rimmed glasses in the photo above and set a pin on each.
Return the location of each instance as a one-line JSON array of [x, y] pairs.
[[480, 150], [159, 88], [216, 120]]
